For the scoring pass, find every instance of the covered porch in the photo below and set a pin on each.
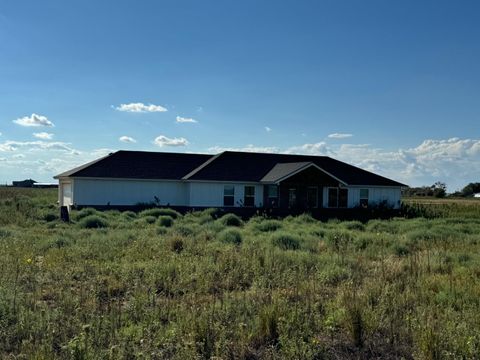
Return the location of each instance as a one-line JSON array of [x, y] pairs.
[[303, 186]]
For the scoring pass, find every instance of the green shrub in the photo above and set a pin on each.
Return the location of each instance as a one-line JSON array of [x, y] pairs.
[[305, 219], [400, 249], [176, 244], [230, 236], [4, 233], [165, 221], [184, 230], [464, 258], [84, 213], [318, 232], [156, 212], [50, 217], [353, 225], [268, 225], [339, 240], [363, 241], [212, 212], [161, 230], [61, 242], [93, 222], [286, 241], [231, 220], [150, 219], [382, 226], [129, 214], [420, 234], [333, 275]]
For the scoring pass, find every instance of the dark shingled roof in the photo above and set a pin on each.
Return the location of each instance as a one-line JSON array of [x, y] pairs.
[[140, 165], [246, 166], [279, 171], [226, 166]]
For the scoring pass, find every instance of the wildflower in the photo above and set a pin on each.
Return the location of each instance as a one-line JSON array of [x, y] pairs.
[[28, 261]]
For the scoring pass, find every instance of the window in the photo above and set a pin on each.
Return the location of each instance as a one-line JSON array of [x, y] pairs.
[[343, 198], [228, 195], [363, 197], [337, 197], [272, 191], [272, 194], [292, 197], [332, 197], [249, 196], [312, 197]]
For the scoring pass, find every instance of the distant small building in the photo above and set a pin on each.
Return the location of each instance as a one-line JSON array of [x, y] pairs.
[[477, 195], [45, 185], [28, 183]]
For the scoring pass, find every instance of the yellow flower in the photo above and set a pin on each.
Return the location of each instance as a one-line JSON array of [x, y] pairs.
[[29, 261]]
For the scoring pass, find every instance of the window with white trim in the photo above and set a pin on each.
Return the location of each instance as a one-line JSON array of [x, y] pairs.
[[363, 197], [249, 196], [228, 195], [272, 195]]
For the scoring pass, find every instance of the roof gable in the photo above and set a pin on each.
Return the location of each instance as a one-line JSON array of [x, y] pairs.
[[246, 166], [283, 171]]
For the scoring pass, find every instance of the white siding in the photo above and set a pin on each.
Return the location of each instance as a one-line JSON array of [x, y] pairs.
[[128, 192], [375, 196], [195, 194], [211, 194]]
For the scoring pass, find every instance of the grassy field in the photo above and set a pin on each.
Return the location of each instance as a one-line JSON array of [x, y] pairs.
[[157, 285]]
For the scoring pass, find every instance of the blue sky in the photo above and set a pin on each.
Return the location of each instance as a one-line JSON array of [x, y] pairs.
[[392, 87]]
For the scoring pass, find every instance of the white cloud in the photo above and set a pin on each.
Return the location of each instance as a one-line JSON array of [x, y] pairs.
[[10, 145], [97, 153], [162, 140], [454, 161], [185, 120], [339, 136], [247, 148], [18, 156], [127, 139], [34, 120], [43, 135], [267, 129], [320, 148], [140, 108]]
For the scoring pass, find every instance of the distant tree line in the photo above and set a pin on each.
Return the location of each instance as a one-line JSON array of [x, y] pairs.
[[439, 190], [468, 191]]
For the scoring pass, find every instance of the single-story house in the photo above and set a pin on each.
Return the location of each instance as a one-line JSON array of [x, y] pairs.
[[229, 179], [27, 183], [477, 195]]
